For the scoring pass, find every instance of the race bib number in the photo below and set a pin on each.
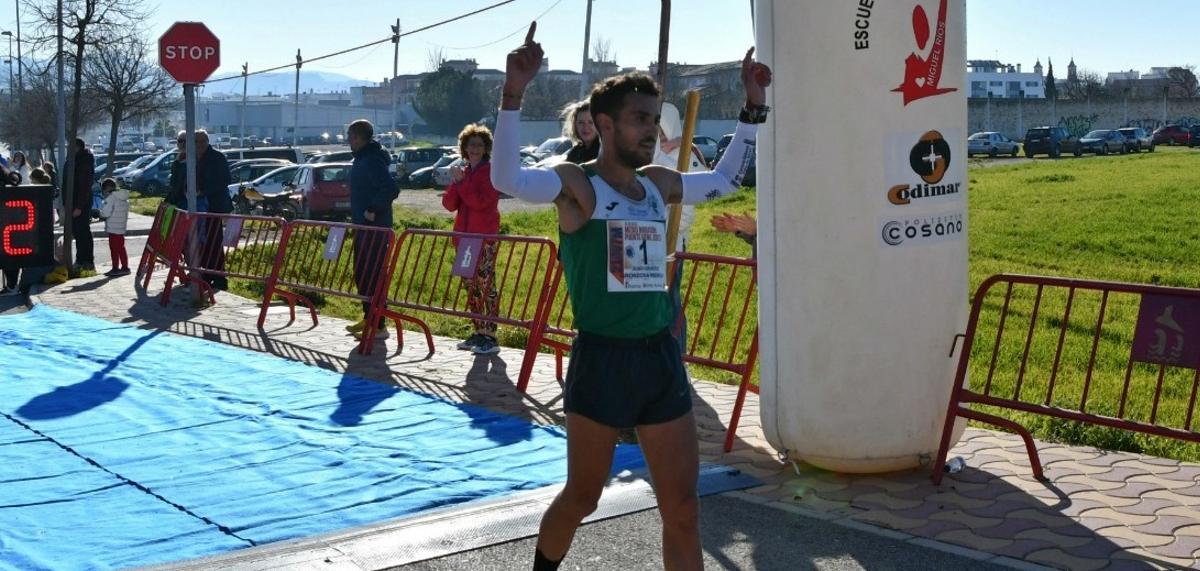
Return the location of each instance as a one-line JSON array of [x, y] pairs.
[[637, 256]]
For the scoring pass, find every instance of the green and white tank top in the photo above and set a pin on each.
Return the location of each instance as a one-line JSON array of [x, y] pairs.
[[615, 265]]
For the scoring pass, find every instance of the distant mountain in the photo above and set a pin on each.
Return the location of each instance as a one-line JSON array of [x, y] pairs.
[[284, 82]]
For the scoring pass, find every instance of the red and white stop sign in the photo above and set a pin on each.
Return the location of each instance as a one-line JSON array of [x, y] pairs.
[[189, 52]]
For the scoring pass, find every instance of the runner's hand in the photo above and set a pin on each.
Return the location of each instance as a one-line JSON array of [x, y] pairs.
[[755, 77], [523, 64]]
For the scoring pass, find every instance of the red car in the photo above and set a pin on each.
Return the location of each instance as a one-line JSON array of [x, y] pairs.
[[1172, 135], [325, 188]]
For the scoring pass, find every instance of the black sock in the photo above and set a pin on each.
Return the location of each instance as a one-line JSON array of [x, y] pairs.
[[542, 563]]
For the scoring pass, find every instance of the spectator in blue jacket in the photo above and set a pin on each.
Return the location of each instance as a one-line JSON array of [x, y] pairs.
[[372, 191], [212, 195]]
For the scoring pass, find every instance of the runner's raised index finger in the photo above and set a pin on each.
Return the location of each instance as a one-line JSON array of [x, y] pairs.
[[529, 35]]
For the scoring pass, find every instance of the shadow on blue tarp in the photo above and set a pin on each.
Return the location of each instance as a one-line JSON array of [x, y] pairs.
[[98, 389], [267, 448]]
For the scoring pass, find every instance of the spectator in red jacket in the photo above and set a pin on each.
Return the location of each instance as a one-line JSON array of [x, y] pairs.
[[476, 205]]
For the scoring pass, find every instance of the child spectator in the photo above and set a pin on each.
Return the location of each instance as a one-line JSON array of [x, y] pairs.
[[114, 211]]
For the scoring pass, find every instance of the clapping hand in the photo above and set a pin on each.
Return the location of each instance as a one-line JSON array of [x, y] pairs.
[[737, 223]]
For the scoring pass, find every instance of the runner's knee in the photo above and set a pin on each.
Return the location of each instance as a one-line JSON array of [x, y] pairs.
[[579, 503], [681, 512]]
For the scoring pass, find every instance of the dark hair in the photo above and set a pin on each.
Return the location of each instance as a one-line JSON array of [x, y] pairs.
[[79, 142], [108, 182], [39, 176], [608, 97], [363, 128], [474, 130]]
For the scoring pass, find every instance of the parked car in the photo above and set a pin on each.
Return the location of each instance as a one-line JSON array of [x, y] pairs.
[[290, 154], [552, 147], [707, 146], [441, 175], [1172, 135], [1137, 139], [250, 169], [324, 188], [152, 179], [273, 182], [410, 160], [1103, 142], [751, 173], [1194, 136], [423, 177], [1052, 141], [992, 144], [337, 157]]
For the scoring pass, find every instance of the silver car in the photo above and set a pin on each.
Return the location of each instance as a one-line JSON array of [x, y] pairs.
[[992, 144]]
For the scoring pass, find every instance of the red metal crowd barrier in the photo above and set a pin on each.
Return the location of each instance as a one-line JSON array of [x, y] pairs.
[[1092, 329], [164, 244], [718, 295], [230, 246], [430, 266], [329, 259]]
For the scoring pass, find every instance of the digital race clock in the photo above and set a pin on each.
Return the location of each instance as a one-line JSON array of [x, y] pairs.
[[26, 226]]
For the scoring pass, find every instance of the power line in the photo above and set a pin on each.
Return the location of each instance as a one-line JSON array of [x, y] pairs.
[[496, 41], [364, 46]]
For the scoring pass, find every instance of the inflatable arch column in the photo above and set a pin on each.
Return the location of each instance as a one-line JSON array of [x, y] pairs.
[[862, 198]]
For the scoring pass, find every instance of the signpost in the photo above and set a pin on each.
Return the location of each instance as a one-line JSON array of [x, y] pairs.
[[189, 52]]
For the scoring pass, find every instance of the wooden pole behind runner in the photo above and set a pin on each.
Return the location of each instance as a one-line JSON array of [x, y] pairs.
[[685, 159]]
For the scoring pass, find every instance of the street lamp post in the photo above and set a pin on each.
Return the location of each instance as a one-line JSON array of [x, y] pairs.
[[392, 83], [9, 62], [242, 126]]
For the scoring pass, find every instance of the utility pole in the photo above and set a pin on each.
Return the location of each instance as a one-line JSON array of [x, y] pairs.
[[61, 120], [587, 37], [242, 127], [395, 72], [664, 35], [20, 83], [10, 75], [296, 118]]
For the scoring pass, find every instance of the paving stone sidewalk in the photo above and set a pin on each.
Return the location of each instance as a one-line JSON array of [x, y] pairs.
[[1101, 510]]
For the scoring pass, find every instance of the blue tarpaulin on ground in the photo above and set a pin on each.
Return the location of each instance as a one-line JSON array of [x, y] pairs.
[[122, 446]]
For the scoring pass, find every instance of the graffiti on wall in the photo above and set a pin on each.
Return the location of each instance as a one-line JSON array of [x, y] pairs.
[[1152, 124], [1078, 125]]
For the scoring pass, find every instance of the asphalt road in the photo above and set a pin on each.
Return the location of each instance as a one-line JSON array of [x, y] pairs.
[[737, 534]]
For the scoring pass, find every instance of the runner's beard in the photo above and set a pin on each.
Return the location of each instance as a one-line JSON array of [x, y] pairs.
[[635, 157]]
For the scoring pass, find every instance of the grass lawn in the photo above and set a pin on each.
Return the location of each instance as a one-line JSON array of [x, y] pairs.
[[1128, 218]]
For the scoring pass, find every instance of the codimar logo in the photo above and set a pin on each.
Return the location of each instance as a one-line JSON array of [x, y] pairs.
[[923, 70], [929, 158]]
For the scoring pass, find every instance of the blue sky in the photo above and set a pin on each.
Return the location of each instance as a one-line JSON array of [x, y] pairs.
[[1103, 35]]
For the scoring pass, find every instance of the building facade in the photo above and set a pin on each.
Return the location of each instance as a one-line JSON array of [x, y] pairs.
[[996, 80]]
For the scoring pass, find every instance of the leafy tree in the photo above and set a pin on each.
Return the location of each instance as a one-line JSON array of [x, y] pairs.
[[1051, 86], [546, 96], [1182, 81], [449, 100]]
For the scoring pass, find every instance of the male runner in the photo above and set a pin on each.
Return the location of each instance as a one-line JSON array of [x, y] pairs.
[[626, 370]]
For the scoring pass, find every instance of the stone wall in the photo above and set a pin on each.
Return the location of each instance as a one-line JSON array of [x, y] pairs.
[[1013, 116]]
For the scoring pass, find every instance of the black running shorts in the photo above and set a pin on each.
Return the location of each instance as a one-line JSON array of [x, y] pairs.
[[624, 383]]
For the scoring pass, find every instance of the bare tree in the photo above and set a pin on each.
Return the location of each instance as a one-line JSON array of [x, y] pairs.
[[1086, 85], [1182, 81], [125, 83], [602, 50], [86, 25], [434, 58]]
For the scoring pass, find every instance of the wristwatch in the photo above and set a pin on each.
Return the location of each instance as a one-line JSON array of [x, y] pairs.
[[754, 114]]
